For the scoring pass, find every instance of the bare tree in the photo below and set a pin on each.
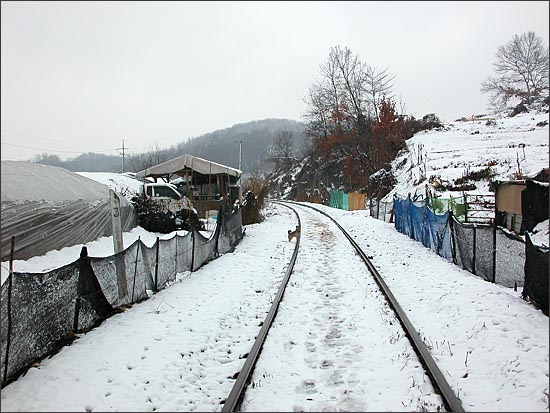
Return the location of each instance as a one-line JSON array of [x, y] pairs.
[[282, 149], [152, 157], [318, 113], [521, 69], [379, 84], [347, 95]]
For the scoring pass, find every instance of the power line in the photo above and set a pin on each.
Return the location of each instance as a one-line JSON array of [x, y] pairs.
[[51, 150], [42, 138]]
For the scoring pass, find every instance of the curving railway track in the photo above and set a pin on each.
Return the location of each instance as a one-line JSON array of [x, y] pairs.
[[356, 350]]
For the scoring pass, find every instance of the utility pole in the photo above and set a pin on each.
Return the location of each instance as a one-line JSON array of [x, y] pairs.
[[123, 153], [240, 153], [240, 158]]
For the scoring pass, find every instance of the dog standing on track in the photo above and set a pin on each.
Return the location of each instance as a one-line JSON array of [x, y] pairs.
[[294, 234]]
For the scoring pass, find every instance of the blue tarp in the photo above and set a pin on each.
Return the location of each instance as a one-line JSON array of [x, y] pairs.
[[419, 222]]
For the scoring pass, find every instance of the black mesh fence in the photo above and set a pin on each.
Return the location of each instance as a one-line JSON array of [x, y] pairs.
[[510, 259], [381, 210], [231, 231], [478, 247], [184, 252], [536, 275], [463, 242], [165, 268], [40, 312]]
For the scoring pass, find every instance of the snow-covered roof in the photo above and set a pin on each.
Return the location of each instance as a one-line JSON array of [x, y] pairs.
[[184, 163]]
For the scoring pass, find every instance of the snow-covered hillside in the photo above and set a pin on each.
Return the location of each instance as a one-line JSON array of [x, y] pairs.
[[512, 147]]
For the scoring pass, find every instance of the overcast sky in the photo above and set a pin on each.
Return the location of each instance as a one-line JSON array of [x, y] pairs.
[[83, 76]]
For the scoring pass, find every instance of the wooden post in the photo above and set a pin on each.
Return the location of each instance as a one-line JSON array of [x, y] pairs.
[[474, 252], [453, 241], [135, 268], [193, 247], [118, 244], [157, 265], [83, 256], [465, 208], [176, 258], [9, 326], [495, 242]]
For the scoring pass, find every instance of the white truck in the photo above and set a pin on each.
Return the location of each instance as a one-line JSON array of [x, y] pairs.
[[167, 195], [176, 211]]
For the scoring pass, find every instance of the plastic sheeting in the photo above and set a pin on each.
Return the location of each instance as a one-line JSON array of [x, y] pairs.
[[419, 222], [38, 310], [47, 208]]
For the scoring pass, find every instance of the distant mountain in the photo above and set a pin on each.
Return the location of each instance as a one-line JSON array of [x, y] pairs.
[[257, 137], [220, 146]]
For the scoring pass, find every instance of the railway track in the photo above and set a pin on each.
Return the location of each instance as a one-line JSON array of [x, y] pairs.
[[333, 340]]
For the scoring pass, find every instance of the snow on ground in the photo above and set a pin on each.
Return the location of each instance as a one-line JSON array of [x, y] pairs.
[[491, 344], [507, 145], [346, 351], [175, 351]]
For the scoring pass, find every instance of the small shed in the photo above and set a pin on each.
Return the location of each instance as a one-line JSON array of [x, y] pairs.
[[521, 204], [204, 182], [508, 204]]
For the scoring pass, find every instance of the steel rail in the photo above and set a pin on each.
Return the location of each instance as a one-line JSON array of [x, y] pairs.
[[438, 380], [233, 401]]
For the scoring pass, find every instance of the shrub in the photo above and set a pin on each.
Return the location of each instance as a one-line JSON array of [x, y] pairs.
[[254, 200]]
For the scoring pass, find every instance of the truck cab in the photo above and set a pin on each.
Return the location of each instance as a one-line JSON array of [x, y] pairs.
[[167, 195]]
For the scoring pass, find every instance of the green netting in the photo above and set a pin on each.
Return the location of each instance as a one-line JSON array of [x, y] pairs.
[[456, 204]]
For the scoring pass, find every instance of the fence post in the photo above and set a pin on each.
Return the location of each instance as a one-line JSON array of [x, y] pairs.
[[10, 284], [157, 266], [176, 259], [219, 221], [465, 209], [83, 257], [192, 229], [370, 208], [410, 207], [118, 244], [495, 244], [474, 252], [452, 228], [139, 246]]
